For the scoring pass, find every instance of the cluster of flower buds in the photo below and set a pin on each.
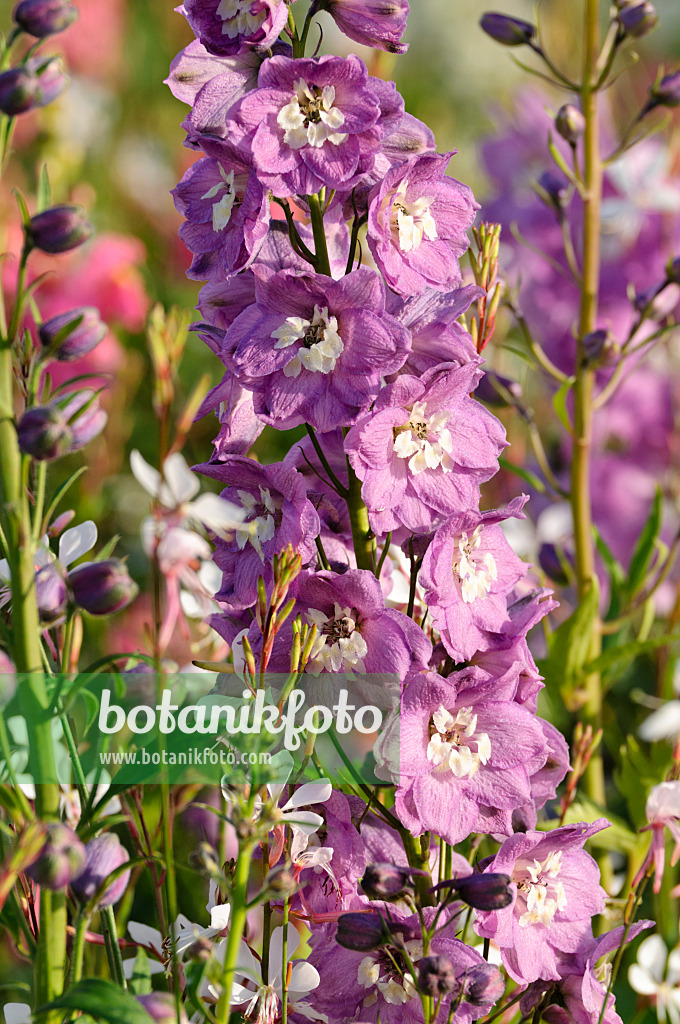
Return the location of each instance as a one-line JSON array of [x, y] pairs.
[[36, 81], [48, 432]]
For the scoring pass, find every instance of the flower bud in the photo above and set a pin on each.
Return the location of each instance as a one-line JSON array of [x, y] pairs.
[[553, 191], [18, 89], [436, 976], [570, 123], [103, 855], [484, 985], [51, 595], [506, 30], [72, 335], [385, 881], [600, 348], [161, 1008], [85, 418], [484, 892], [102, 588], [550, 563], [50, 76], [44, 433], [58, 229], [42, 18], [637, 20], [665, 93], [379, 23], [362, 932], [487, 392], [61, 859]]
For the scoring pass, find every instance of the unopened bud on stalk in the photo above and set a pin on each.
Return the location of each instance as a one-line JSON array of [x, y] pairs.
[[58, 229], [51, 78], [42, 18], [61, 859], [43, 433], [161, 1008], [551, 564], [102, 588], [506, 30], [483, 892], [637, 20], [664, 93], [483, 985], [362, 932], [387, 881], [103, 855], [18, 89], [553, 191], [436, 976], [600, 348], [570, 123], [51, 595], [72, 335]]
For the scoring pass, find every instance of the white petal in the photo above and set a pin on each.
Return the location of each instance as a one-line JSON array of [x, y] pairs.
[[219, 917], [652, 955], [144, 474], [276, 950], [310, 793], [216, 513], [303, 978], [181, 481], [662, 724], [17, 1013], [75, 542], [306, 821], [145, 935], [641, 981]]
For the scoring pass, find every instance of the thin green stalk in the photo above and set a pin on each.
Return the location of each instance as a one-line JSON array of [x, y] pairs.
[[362, 534], [236, 928], [108, 919], [320, 244], [78, 952], [284, 964]]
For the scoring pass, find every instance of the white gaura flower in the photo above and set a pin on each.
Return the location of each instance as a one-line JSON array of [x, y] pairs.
[[657, 975], [73, 544]]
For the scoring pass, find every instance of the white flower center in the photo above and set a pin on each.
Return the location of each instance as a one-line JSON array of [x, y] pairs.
[[238, 17], [260, 523], [455, 745], [387, 972], [310, 119], [339, 645], [475, 573], [221, 211], [411, 222], [543, 894], [321, 344], [424, 440]]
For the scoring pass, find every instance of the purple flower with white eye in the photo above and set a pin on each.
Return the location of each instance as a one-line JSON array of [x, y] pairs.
[[313, 349], [314, 122], [226, 210], [417, 223], [462, 761], [558, 892], [468, 572], [371, 22], [276, 512], [424, 448], [228, 26]]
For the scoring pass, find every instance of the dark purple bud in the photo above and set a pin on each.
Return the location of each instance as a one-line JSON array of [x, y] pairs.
[[44, 433], [553, 191], [506, 30], [386, 881], [484, 892], [600, 348], [362, 932], [18, 89], [161, 1007], [72, 335], [51, 595], [551, 564], [484, 985], [436, 976], [103, 855], [51, 78], [58, 229], [44, 17], [637, 20], [102, 588], [488, 393], [570, 123], [673, 271], [61, 859], [665, 93]]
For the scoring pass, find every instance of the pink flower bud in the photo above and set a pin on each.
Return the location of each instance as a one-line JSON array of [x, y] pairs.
[[42, 18], [72, 335], [103, 855], [61, 859]]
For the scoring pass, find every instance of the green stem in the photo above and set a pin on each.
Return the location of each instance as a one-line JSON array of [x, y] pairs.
[[284, 965], [236, 928], [320, 244], [108, 919], [362, 534], [78, 952]]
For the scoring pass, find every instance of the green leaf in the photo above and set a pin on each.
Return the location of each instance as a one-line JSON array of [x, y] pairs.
[[61, 493], [23, 209], [615, 571], [102, 999], [560, 404], [569, 645], [140, 982], [44, 198], [644, 549], [619, 837], [638, 772], [624, 654]]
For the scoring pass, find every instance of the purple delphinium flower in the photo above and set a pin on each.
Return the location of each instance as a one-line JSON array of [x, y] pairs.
[[227, 26], [424, 448], [558, 892], [314, 350], [239, 426], [226, 211], [417, 220], [461, 760], [436, 335], [367, 986], [468, 572], [278, 513], [314, 122], [378, 23]]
